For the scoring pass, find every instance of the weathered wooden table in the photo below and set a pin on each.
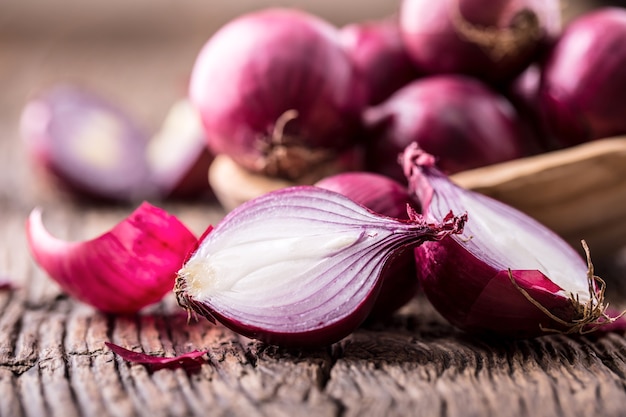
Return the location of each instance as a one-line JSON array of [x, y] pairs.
[[53, 361]]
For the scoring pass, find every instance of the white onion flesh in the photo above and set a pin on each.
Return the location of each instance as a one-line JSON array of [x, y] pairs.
[[506, 240]]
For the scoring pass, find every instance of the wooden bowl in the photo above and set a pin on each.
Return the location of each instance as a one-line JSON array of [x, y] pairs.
[[579, 192]]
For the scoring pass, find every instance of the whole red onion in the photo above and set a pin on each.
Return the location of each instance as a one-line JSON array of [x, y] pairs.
[[277, 92], [490, 39], [390, 198], [378, 52], [583, 86], [458, 119]]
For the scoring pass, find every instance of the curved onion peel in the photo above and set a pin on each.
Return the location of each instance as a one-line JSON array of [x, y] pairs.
[[299, 266], [121, 271], [506, 274], [191, 361]]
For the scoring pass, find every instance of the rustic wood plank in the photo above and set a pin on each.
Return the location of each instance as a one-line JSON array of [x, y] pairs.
[[8, 387]]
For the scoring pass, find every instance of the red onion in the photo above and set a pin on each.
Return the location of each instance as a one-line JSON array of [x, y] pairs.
[[87, 144], [524, 95], [178, 156], [456, 118], [389, 198], [506, 274], [123, 270], [493, 40], [378, 52], [277, 92], [583, 85], [299, 266]]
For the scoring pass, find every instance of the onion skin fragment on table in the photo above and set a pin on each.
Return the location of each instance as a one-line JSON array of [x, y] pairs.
[[121, 271]]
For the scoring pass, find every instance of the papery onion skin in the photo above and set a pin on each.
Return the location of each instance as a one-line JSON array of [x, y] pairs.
[[460, 120], [299, 266], [191, 362], [277, 92], [473, 300], [583, 84], [389, 198], [476, 37], [473, 293], [121, 271], [377, 50], [90, 146]]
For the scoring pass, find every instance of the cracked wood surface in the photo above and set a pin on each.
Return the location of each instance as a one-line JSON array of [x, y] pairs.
[[53, 361]]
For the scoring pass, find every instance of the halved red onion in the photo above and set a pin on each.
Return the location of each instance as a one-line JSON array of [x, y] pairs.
[[377, 50], [89, 145], [390, 198], [277, 92], [583, 85], [121, 271], [460, 120], [178, 157], [299, 266], [493, 40], [506, 274]]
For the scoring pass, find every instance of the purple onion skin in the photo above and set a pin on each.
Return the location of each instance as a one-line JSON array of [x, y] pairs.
[[374, 191], [263, 64], [460, 120], [478, 308], [60, 120], [378, 52], [583, 85], [389, 198], [523, 93], [436, 45], [315, 338]]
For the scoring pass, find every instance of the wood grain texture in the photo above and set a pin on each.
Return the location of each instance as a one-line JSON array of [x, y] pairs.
[[53, 361]]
